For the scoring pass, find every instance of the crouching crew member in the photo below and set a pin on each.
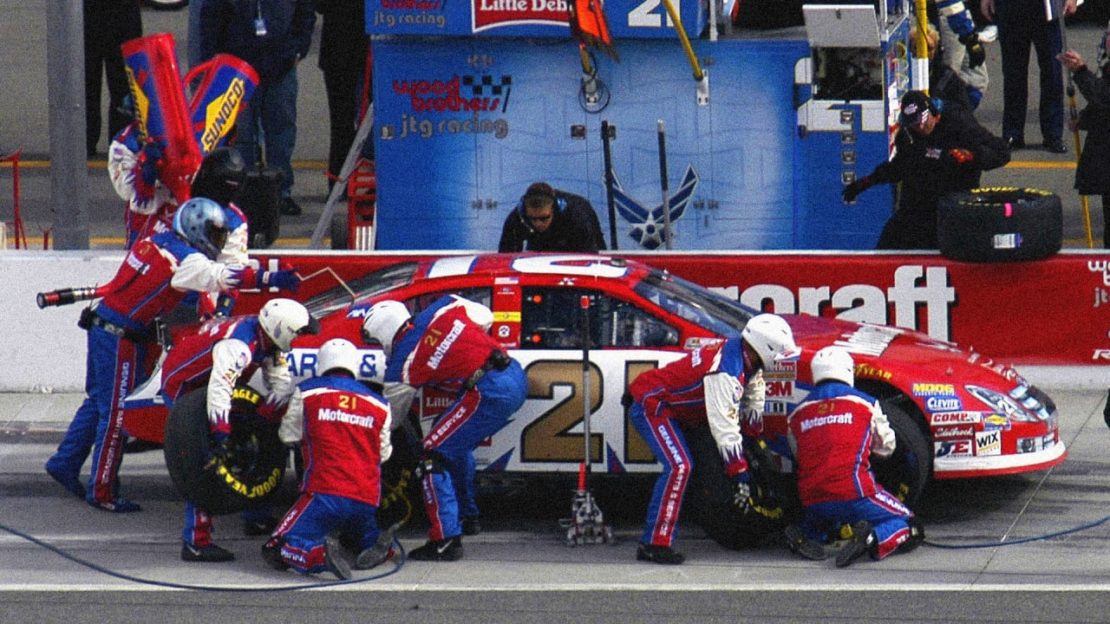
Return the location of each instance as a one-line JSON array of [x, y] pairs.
[[447, 345], [222, 352], [345, 440], [708, 385], [833, 433]]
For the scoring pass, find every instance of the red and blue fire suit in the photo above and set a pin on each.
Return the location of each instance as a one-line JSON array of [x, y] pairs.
[[834, 431], [706, 386], [217, 356], [345, 441], [150, 205], [448, 346], [155, 276]]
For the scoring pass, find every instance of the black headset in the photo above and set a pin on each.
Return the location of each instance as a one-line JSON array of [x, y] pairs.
[[934, 105], [539, 191]]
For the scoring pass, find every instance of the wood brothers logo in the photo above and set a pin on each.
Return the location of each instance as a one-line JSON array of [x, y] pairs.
[[476, 94], [498, 13]]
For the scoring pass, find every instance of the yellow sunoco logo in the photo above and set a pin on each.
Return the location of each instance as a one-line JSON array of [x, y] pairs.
[[220, 115]]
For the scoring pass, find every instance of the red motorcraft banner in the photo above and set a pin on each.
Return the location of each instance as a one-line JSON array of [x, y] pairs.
[[1049, 312]]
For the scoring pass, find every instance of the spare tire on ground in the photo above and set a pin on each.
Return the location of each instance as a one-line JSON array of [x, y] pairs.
[[248, 476], [999, 224]]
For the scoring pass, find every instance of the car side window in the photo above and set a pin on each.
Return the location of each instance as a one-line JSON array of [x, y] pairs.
[[551, 318], [478, 295]]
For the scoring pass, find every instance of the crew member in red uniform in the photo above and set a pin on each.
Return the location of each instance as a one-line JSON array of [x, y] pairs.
[[156, 275], [833, 433], [447, 345], [708, 385], [216, 357], [344, 442]]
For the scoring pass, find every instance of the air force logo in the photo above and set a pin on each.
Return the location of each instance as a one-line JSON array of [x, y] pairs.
[[647, 225]]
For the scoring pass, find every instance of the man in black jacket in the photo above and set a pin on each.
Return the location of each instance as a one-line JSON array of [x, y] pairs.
[[936, 153], [551, 220]]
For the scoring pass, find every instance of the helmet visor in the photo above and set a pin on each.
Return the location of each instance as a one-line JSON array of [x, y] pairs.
[[217, 235]]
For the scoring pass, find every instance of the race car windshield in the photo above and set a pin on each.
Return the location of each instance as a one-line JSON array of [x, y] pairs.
[[694, 303], [368, 285]]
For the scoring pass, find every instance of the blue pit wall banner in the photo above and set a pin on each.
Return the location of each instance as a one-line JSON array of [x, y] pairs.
[[473, 102]]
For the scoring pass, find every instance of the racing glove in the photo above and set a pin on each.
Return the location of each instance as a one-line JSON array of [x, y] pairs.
[[959, 156], [976, 55], [742, 492], [272, 410], [852, 191], [282, 280], [147, 167], [243, 276]]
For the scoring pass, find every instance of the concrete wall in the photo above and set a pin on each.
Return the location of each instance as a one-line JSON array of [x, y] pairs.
[[44, 350]]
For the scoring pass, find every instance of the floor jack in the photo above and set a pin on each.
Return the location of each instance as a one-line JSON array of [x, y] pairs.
[[586, 524]]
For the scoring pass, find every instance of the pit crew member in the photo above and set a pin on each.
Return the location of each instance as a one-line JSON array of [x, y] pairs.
[[708, 385], [216, 357], [447, 345], [833, 433], [344, 442]]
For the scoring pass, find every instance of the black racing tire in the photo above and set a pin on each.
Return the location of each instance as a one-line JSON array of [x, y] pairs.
[[250, 476], [906, 473], [709, 496], [1000, 224]]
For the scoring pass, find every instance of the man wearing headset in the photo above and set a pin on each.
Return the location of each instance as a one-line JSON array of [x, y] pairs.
[[936, 153], [551, 220]]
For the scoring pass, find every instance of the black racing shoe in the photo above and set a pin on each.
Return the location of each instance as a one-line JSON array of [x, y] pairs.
[[450, 549], [471, 526], [271, 554], [862, 540], [659, 554], [335, 560], [799, 544], [208, 554], [259, 527]]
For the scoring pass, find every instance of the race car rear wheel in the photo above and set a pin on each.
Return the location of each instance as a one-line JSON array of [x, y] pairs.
[[250, 475], [906, 472]]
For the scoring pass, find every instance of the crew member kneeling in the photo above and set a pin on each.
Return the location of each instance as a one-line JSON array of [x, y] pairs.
[[833, 433]]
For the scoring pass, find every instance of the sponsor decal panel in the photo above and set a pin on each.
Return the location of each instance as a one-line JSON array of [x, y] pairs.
[[956, 418], [988, 443], [948, 433], [953, 448]]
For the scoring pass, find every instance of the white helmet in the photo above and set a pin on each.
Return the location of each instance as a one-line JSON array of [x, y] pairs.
[[833, 363], [285, 319], [383, 321], [771, 338], [338, 353]]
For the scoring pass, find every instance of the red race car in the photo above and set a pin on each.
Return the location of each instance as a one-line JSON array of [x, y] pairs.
[[955, 412]]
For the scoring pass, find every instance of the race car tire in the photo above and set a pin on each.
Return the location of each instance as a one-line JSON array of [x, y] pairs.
[[709, 496], [907, 471], [249, 476], [999, 224]]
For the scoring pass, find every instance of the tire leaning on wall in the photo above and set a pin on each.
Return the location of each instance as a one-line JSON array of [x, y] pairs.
[[250, 476], [999, 224]]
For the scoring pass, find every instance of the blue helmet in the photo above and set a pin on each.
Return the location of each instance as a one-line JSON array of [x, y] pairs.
[[202, 223]]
